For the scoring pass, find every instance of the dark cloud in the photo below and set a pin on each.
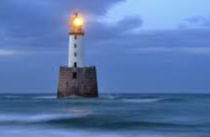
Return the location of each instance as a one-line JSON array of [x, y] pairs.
[[106, 32], [199, 21], [118, 39], [92, 7], [42, 23]]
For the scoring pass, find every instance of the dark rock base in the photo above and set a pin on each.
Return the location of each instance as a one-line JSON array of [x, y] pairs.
[[77, 82]]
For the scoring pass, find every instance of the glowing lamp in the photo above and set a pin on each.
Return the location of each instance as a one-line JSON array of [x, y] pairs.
[[77, 24], [78, 21]]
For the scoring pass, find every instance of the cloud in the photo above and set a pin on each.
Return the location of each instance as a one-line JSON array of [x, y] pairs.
[[179, 50], [198, 21], [7, 52], [104, 32], [39, 23], [116, 39]]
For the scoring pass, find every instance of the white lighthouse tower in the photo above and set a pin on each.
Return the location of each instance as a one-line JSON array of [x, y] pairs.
[[76, 48]]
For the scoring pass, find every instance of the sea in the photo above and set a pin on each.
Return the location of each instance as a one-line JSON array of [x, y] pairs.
[[110, 115]]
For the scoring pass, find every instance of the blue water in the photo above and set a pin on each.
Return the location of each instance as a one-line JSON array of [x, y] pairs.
[[111, 115]]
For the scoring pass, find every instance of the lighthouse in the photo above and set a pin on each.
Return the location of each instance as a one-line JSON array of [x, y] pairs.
[[77, 79]]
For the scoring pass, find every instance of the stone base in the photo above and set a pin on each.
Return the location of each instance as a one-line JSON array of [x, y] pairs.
[[77, 82]]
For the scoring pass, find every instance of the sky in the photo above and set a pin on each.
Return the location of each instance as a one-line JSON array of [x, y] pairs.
[[142, 46]]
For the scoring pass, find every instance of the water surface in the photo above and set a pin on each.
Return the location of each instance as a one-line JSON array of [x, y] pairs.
[[111, 115]]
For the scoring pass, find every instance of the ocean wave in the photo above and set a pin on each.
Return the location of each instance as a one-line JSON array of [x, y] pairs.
[[98, 122], [85, 121], [39, 118], [10, 97], [172, 100], [70, 132], [151, 100], [28, 97], [141, 100], [45, 97], [132, 99]]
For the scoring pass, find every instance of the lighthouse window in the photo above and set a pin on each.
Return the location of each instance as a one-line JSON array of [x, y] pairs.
[[75, 54], [75, 37], [75, 65], [74, 75], [75, 45]]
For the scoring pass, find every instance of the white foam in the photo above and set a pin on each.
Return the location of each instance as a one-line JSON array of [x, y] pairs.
[[46, 97], [151, 100], [35, 118]]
